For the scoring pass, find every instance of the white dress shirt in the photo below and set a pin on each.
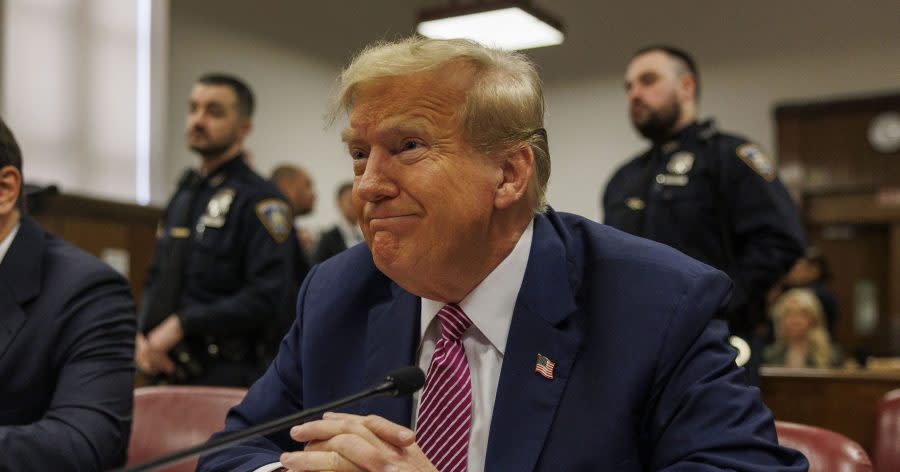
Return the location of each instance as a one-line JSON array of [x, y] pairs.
[[7, 241], [490, 307]]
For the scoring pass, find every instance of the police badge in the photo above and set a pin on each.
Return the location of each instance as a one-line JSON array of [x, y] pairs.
[[217, 209], [680, 163], [275, 217]]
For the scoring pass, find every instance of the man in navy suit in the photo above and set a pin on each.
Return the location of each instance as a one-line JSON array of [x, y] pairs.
[[67, 326], [551, 342]]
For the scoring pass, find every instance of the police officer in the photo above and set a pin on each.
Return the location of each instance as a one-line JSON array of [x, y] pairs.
[[223, 261], [711, 195]]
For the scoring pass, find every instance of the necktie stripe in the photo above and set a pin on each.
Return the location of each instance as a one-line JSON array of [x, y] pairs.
[[445, 372], [449, 445], [443, 384], [445, 409], [442, 435], [431, 419], [433, 423]]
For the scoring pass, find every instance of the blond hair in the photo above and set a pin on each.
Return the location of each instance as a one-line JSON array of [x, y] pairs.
[[817, 340], [504, 109]]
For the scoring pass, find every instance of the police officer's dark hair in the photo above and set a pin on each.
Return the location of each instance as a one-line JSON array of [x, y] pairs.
[[681, 56], [11, 155], [245, 101], [343, 188]]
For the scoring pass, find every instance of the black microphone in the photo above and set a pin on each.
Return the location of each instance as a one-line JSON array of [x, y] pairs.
[[403, 381]]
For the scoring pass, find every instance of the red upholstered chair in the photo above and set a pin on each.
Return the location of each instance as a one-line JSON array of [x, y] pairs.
[[825, 450], [887, 433], [170, 418]]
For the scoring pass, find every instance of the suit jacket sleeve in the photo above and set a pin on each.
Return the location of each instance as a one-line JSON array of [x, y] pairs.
[[88, 422], [279, 392], [702, 414]]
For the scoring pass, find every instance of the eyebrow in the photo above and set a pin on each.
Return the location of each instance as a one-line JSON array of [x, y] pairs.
[[401, 125], [348, 135]]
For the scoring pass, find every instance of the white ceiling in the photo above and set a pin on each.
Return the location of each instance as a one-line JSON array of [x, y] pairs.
[[600, 34]]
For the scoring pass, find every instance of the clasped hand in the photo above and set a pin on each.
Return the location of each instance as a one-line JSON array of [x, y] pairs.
[[151, 352], [342, 442]]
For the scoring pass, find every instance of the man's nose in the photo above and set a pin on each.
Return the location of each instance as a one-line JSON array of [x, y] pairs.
[[376, 182]]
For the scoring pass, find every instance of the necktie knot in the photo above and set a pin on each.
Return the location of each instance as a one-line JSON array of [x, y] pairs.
[[454, 322]]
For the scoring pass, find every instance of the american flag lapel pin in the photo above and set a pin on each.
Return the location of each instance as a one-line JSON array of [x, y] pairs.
[[544, 366]]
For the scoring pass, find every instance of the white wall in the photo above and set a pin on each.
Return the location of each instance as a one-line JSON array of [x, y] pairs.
[[590, 134], [292, 93]]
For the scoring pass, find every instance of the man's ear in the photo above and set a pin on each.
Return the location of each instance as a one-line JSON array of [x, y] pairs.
[[688, 86], [246, 127], [517, 168], [10, 188]]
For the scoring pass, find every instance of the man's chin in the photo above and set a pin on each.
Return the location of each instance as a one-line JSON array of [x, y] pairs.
[[208, 151]]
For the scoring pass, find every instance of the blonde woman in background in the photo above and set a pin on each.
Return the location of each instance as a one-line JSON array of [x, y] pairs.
[[801, 339]]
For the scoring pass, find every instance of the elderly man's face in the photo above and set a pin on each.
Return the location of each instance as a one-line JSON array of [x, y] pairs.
[[424, 197]]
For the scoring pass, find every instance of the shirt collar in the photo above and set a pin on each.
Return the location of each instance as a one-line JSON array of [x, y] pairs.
[[490, 305], [7, 241]]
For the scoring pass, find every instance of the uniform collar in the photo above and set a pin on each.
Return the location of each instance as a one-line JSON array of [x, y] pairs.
[[219, 174], [685, 137]]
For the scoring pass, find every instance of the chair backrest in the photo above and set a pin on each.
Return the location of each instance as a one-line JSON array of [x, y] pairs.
[[887, 433], [825, 450], [170, 418]]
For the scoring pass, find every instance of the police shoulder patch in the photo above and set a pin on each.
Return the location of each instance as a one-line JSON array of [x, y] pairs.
[[757, 160], [275, 217]]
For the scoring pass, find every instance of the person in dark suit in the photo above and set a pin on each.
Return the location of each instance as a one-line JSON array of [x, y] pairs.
[[551, 342], [67, 326], [345, 233]]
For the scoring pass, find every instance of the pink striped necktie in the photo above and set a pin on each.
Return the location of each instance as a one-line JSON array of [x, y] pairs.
[[445, 410]]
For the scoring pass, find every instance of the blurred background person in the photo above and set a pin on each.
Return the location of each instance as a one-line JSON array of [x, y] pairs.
[[712, 195], [221, 269], [800, 336], [812, 271], [297, 186], [346, 232]]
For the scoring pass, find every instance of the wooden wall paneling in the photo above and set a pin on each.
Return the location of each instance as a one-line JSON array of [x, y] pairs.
[[856, 254], [97, 225], [830, 140], [850, 209], [894, 288], [842, 401]]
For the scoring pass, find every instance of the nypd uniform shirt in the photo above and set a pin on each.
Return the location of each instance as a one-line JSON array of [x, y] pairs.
[[715, 197], [238, 266]]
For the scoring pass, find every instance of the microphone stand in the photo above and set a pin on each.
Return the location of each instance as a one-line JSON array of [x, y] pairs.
[[388, 387]]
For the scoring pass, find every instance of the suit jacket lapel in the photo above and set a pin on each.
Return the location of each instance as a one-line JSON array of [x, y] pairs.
[[20, 279], [391, 342], [526, 401]]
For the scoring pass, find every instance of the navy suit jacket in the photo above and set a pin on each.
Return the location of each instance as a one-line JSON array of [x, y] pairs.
[[67, 326], [644, 378]]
